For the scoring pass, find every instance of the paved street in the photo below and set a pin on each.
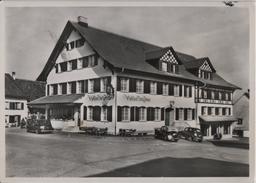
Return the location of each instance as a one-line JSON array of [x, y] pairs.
[[78, 155]]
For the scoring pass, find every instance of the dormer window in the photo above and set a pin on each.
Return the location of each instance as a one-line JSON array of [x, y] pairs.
[[205, 71], [164, 66], [169, 63]]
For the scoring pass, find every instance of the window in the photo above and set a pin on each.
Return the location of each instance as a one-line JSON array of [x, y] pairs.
[[125, 113], [226, 96], [210, 111], [63, 87], [223, 111], [104, 82], [165, 89], [220, 95], [204, 110], [164, 66], [73, 64], [212, 95], [180, 114], [91, 86], [142, 114], [139, 86], [90, 113], [85, 62], [55, 89], [93, 60], [176, 90], [79, 86], [229, 111], [124, 84], [172, 68], [79, 42], [63, 66], [79, 64], [7, 105], [73, 87], [217, 111], [239, 121], [189, 114], [204, 93], [104, 113], [153, 87], [56, 68], [157, 114], [187, 91]]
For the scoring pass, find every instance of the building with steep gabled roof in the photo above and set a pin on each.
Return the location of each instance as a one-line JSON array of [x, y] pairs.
[[17, 93], [99, 79]]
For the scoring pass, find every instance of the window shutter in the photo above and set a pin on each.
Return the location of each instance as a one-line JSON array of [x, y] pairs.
[[180, 87], [177, 114], [119, 113], [160, 65], [132, 85], [132, 111], [162, 114], [96, 60], [168, 67], [185, 91], [185, 114], [109, 113], [96, 85], [190, 91], [85, 113], [146, 86], [152, 114], [86, 86], [159, 88], [171, 89], [22, 106], [137, 114], [148, 113], [96, 113], [48, 89], [56, 68], [193, 114], [118, 87]]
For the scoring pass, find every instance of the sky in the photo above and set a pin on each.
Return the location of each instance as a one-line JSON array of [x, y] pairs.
[[220, 33]]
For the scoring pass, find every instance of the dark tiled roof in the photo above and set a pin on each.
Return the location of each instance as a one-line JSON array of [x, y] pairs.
[[57, 99], [196, 63], [11, 89], [31, 89], [25, 89], [127, 53]]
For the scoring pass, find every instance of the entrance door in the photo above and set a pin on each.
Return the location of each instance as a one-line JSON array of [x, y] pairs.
[[169, 116]]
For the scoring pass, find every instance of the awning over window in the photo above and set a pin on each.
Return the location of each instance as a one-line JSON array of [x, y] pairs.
[[209, 119], [57, 99]]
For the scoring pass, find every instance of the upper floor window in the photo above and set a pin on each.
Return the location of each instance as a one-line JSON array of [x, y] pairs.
[[165, 89], [187, 91], [139, 86], [153, 87], [73, 64], [73, 87], [63, 87], [142, 114], [124, 84], [54, 89], [177, 90], [217, 111], [7, 105], [63, 67], [157, 114], [204, 110], [91, 86], [164, 66], [75, 44], [93, 60]]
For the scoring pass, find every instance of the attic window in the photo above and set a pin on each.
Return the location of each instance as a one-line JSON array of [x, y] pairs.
[[75, 44], [169, 67]]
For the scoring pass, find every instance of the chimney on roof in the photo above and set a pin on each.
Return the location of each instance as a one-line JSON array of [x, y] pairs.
[[82, 21], [13, 75]]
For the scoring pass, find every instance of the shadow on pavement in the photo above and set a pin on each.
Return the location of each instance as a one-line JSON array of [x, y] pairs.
[[229, 143], [181, 167]]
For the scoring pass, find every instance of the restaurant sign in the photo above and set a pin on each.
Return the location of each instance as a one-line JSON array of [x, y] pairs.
[[99, 97], [137, 98]]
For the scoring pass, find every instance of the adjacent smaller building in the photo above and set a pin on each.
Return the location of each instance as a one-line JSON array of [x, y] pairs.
[[18, 92], [241, 111]]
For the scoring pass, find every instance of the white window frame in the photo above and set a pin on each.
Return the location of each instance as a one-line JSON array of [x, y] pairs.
[[139, 86], [220, 96], [189, 114], [79, 63], [164, 66], [103, 84], [165, 89], [79, 87], [152, 87], [226, 96], [205, 112], [69, 66], [91, 86], [90, 113], [125, 113], [7, 105], [157, 114], [104, 113], [124, 84], [176, 90], [181, 114], [142, 114]]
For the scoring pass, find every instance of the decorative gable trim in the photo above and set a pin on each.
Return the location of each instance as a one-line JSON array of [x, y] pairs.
[[206, 67], [169, 57]]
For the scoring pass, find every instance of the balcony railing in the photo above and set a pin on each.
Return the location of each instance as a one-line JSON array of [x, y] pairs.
[[202, 100]]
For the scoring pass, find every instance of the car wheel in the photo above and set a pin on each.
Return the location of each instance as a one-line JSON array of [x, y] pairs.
[[190, 138]]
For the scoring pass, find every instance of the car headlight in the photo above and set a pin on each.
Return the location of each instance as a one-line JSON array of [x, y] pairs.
[[195, 134], [42, 127]]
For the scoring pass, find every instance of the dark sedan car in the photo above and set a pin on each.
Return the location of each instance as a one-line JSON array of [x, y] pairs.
[[167, 133], [192, 134], [39, 126]]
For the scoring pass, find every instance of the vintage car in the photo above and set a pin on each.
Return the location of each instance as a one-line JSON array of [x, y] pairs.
[[167, 133], [39, 126], [192, 134]]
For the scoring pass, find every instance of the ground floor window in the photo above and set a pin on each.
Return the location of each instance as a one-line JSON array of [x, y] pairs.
[[90, 113], [142, 114], [226, 129], [125, 113], [157, 114], [104, 114]]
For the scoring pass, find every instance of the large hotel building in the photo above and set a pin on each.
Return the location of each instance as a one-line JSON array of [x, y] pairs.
[[100, 79]]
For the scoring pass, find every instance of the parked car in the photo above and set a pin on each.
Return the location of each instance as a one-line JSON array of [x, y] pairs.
[[39, 126], [192, 134], [167, 133]]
